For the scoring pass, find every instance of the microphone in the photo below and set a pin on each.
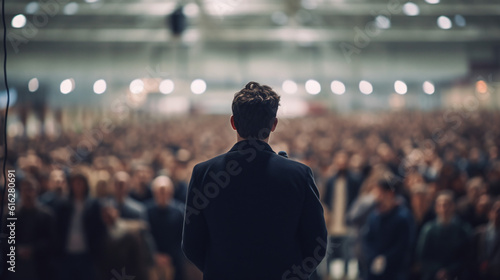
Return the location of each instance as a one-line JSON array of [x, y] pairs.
[[283, 154]]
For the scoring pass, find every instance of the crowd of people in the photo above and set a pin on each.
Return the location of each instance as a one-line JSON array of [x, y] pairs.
[[409, 195]]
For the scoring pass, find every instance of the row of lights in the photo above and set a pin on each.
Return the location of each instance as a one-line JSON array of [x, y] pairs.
[[19, 21], [412, 9], [191, 9], [337, 87], [137, 86], [443, 22], [199, 86]]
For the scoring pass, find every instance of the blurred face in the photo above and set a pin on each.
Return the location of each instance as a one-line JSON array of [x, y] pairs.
[[473, 192], [163, 195], [381, 195], [163, 190], [341, 161], [143, 175], [483, 204], [78, 187], [474, 155], [57, 181], [101, 189], [444, 207], [121, 188], [419, 198], [121, 184], [28, 194]]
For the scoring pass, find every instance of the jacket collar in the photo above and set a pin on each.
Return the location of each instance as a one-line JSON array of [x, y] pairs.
[[251, 144]]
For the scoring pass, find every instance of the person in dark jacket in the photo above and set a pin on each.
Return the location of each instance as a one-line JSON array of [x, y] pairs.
[[128, 207], [79, 229], [165, 221], [125, 253], [250, 213], [388, 234], [34, 236], [58, 189], [487, 246], [444, 244]]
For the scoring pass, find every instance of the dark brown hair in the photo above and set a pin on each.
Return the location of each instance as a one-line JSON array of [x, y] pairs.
[[254, 110]]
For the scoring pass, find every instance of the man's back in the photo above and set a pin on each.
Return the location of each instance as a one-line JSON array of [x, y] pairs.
[[252, 214]]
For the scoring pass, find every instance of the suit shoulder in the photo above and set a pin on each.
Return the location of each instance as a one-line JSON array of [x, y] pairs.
[[204, 164], [290, 163]]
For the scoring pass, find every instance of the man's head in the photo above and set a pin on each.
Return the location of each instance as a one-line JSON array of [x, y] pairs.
[[341, 160], [79, 185], [254, 111], [28, 189], [121, 185], [385, 192], [445, 206], [109, 213], [57, 181], [475, 187], [163, 190]]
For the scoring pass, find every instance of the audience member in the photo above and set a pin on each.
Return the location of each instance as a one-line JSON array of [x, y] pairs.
[[128, 208], [166, 221], [443, 245], [389, 234], [487, 246]]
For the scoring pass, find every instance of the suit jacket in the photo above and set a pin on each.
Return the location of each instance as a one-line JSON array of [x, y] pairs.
[[132, 209], [252, 214], [94, 228], [487, 254], [353, 185]]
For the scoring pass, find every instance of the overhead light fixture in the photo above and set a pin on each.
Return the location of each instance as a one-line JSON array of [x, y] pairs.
[[313, 87], [365, 87]]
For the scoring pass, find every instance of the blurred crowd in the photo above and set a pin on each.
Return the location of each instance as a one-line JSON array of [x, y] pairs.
[[412, 190]]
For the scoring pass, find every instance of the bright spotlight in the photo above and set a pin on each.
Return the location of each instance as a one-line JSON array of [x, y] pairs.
[[289, 86], [67, 86], [400, 87], [432, 1], [411, 9], [166, 86], [70, 8], [444, 22], [337, 87], [33, 85], [100, 86], [313, 87], [198, 86], [136, 86], [18, 21], [428, 87], [382, 22], [365, 87]]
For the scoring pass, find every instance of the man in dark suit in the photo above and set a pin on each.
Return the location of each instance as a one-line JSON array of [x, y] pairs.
[[128, 207], [250, 213], [165, 221], [487, 246]]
